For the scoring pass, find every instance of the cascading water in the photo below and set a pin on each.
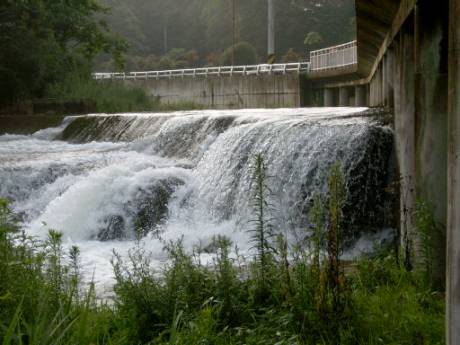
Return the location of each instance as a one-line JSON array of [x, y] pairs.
[[101, 179]]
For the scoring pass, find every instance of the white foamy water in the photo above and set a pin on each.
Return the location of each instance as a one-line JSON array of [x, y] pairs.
[[188, 175]]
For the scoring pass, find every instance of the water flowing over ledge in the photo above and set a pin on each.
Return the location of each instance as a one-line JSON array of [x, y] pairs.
[[100, 178]]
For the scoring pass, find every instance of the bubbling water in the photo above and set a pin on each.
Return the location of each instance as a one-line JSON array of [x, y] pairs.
[[102, 179]]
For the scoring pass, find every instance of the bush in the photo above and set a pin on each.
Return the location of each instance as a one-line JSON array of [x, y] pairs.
[[292, 56], [282, 296], [39, 298], [244, 54], [109, 97]]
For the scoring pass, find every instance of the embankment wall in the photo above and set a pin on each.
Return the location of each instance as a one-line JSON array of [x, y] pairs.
[[253, 91]]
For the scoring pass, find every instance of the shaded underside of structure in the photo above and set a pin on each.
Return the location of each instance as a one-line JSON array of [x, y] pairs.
[[374, 19]]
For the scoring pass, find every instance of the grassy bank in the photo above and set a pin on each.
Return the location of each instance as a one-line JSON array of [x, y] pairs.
[[284, 294], [77, 96], [111, 97]]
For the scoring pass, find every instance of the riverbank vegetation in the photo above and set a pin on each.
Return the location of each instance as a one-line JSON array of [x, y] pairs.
[[194, 33], [284, 294], [44, 44], [45, 41]]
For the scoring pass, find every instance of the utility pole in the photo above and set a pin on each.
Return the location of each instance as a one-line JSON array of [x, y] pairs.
[[233, 30], [271, 31], [165, 38]]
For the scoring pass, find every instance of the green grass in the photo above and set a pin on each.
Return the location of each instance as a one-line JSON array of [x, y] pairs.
[[378, 301], [112, 96]]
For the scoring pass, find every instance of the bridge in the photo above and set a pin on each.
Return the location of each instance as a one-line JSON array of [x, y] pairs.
[[264, 85], [339, 59], [406, 58]]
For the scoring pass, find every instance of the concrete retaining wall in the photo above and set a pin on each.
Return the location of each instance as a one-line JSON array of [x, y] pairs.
[[257, 91]]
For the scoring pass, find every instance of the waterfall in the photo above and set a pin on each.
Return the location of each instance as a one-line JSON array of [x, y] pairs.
[[103, 179]]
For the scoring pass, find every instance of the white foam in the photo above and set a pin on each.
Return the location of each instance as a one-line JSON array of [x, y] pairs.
[[72, 188]]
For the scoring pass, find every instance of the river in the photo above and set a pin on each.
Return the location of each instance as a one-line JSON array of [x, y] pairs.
[[105, 180]]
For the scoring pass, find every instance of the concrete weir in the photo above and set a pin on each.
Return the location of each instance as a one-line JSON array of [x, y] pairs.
[[220, 92], [406, 58]]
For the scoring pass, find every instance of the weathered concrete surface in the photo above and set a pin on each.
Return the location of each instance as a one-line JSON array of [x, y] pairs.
[[453, 219], [403, 62], [360, 96], [373, 19], [402, 54], [329, 99], [404, 122], [378, 23], [347, 72], [254, 91], [431, 73], [344, 97], [389, 78]]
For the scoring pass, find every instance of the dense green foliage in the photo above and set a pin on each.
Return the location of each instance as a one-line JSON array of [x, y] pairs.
[[205, 27], [109, 97], [241, 53], [298, 295], [43, 40]]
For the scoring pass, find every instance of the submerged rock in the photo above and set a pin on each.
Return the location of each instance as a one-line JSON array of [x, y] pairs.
[[143, 214]]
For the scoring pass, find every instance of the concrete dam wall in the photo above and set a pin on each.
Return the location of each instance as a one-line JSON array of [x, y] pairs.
[[214, 92]]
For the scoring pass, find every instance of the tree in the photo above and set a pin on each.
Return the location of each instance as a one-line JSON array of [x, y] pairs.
[[313, 38], [43, 40], [206, 26], [292, 56], [243, 52]]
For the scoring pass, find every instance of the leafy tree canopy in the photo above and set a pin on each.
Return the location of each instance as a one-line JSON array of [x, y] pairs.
[[43, 40], [243, 53], [155, 27]]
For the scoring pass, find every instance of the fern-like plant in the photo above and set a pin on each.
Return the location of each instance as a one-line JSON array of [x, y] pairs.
[[262, 234]]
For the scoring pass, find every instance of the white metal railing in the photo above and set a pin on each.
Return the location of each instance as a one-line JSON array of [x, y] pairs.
[[340, 56], [209, 71], [337, 57]]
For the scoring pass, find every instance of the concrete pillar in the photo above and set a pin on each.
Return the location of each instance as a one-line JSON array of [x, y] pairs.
[[405, 136], [368, 94], [328, 95], [431, 119], [344, 97], [453, 213], [389, 78], [372, 91], [384, 82], [360, 96]]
